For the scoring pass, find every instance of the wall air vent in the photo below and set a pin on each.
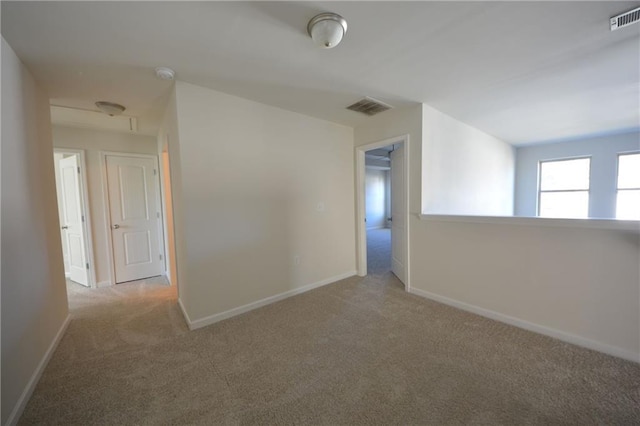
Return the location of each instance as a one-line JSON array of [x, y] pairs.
[[625, 19], [369, 106]]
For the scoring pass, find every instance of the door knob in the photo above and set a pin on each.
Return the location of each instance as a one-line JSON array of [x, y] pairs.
[[64, 227], [116, 226]]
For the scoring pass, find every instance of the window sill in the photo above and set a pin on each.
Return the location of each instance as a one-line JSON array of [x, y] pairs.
[[613, 224]]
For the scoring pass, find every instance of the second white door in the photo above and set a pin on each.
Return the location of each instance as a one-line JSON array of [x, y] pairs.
[[398, 213], [134, 208]]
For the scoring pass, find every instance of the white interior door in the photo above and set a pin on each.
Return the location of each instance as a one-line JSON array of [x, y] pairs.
[[73, 218], [134, 210], [398, 213]]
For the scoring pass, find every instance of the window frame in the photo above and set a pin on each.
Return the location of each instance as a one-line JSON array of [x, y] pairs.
[[618, 189], [557, 160]]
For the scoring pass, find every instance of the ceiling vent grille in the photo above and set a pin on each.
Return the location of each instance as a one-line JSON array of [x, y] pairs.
[[369, 106], [626, 19]]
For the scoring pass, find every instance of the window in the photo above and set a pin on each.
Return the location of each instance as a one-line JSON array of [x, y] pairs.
[[564, 188], [628, 194]]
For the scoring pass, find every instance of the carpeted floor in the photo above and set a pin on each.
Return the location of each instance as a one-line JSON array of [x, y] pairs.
[[360, 351], [379, 251]]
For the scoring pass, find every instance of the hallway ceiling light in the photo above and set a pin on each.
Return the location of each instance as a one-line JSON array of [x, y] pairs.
[[327, 29], [110, 108]]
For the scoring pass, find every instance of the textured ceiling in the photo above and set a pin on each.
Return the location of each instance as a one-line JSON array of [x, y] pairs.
[[522, 71]]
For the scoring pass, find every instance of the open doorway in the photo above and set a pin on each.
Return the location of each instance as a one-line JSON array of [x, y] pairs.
[[382, 208], [75, 232], [378, 217]]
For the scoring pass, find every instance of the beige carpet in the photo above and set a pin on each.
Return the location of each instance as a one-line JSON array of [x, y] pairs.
[[360, 351]]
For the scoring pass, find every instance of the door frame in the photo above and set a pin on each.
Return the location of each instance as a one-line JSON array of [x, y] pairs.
[[361, 227], [107, 211], [84, 201]]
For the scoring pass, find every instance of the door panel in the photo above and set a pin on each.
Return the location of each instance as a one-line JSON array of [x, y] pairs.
[[133, 190], [134, 204], [137, 246], [73, 220], [398, 213]]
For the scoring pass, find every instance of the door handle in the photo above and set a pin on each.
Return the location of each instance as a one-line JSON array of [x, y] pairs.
[[116, 226], [64, 227]]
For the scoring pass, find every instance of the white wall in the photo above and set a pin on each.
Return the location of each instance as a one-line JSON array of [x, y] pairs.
[[603, 151], [464, 171], [573, 280], [94, 141], [261, 187], [34, 297], [376, 197]]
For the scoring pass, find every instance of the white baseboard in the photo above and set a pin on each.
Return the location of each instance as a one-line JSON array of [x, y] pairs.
[[212, 319], [536, 328], [102, 284], [31, 385]]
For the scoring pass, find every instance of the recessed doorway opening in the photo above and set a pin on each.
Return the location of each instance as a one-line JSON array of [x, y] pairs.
[[382, 208]]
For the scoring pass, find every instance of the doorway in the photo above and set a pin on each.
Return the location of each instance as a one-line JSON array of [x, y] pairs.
[[378, 216], [382, 208], [73, 212]]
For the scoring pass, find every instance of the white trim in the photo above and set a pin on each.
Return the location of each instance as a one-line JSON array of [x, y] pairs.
[[361, 227], [106, 205], [536, 328], [621, 225], [203, 322], [35, 377], [85, 210]]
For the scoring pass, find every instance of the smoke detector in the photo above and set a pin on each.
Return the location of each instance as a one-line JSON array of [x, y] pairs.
[[110, 108], [165, 73]]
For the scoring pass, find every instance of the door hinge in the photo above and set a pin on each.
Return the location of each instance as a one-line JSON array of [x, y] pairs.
[[155, 172], [160, 257], [87, 265], [82, 218], [158, 215]]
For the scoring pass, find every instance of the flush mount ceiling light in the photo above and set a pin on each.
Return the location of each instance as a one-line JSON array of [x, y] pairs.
[[327, 29], [110, 108], [165, 73]]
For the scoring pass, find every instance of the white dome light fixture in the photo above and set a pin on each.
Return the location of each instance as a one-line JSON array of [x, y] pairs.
[[327, 29], [110, 108]]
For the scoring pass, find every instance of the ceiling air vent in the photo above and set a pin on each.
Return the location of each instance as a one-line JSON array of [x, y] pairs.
[[625, 19], [369, 106]]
